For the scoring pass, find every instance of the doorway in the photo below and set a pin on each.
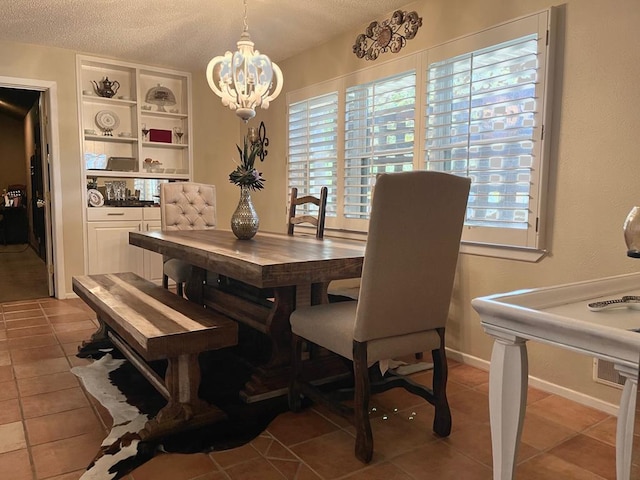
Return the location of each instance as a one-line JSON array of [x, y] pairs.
[[25, 255]]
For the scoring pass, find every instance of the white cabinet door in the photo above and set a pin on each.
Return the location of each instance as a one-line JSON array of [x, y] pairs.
[[152, 261], [109, 249]]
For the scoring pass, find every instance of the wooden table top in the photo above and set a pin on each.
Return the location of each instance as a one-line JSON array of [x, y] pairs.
[[267, 260]]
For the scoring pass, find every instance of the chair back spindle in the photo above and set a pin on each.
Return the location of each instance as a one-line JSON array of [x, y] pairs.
[[316, 221]]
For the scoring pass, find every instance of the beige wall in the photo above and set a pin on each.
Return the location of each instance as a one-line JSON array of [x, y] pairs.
[[593, 179], [57, 65], [12, 151]]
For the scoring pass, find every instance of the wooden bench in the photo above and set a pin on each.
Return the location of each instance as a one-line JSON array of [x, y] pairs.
[[146, 323]]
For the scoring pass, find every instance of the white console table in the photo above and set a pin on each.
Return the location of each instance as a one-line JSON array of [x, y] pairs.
[[558, 316]]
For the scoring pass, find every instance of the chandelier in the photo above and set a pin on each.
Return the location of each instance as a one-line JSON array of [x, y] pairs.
[[244, 79]]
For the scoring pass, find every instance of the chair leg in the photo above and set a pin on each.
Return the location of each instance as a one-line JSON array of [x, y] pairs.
[[364, 436], [296, 371], [180, 289], [165, 281], [442, 418]]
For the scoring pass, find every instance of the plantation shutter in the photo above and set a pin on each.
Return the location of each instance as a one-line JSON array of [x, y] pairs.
[[484, 119], [379, 137], [313, 148]]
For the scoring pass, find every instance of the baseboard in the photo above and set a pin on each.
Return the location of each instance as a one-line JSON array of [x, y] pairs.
[[543, 385]]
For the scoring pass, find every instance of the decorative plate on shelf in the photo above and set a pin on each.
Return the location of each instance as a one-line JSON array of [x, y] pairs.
[[107, 120], [96, 199]]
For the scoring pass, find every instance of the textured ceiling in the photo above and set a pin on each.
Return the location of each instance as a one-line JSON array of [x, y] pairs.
[[184, 34]]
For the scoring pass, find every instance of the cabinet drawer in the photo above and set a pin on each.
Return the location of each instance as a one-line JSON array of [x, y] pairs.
[[102, 214], [151, 213]]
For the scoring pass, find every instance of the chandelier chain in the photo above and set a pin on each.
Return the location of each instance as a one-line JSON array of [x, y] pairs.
[[246, 25]]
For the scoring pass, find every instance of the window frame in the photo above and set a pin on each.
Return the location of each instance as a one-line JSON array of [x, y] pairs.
[[527, 245], [531, 238]]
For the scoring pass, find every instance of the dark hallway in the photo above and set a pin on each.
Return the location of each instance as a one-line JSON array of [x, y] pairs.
[[23, 274], [23, 270]]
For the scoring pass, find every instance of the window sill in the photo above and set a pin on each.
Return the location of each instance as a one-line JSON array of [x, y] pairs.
[[502, 251], [348, 234], [531, 255]]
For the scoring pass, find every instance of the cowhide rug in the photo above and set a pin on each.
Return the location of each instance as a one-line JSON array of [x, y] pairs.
[[131, 401]]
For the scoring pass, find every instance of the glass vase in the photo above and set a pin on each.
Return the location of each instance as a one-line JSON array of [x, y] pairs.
[[245, 221], [632, 232]]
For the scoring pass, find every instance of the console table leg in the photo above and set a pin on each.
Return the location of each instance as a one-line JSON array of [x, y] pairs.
[[625, 423], [508, 379]]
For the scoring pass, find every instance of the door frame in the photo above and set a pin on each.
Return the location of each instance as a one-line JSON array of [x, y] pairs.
[[51, 164]]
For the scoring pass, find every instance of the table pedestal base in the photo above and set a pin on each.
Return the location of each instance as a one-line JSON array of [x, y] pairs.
[[269, 316], [274, 382]]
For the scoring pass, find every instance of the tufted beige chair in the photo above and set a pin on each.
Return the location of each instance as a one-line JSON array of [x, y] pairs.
[[407, 280], [185, 206]]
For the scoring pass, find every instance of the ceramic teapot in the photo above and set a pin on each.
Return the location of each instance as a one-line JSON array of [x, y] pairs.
[[106, 88]]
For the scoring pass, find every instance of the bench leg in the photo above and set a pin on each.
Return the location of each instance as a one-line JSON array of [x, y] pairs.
[[184, 407], [98, 340], [183, 380]]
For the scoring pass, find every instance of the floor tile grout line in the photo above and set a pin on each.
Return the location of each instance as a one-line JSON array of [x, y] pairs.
[[597, 424], [478, 388], [86, 394], [24, 427], [302, 462], [24, 419]]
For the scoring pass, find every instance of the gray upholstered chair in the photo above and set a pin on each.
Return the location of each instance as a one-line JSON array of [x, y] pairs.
[[407, 281], [316, 220], [185, 206]]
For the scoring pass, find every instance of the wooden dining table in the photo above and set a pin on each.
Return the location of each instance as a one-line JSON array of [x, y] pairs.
[[259, 282]]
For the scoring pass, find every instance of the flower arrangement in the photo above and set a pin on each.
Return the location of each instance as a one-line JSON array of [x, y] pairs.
[[245, 174]]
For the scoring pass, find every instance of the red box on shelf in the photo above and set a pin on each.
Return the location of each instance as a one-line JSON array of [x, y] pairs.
[[163, 136]]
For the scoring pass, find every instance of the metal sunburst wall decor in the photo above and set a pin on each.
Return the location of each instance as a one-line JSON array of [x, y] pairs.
[[390, 35]]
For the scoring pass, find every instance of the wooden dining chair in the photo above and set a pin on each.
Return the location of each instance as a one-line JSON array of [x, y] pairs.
[[407, 281], [296, 217], [185, 206]]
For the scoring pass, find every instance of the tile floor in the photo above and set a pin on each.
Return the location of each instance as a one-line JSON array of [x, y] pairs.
[[50, 428]]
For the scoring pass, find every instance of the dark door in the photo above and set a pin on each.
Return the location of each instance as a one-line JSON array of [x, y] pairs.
[[37, 199]]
